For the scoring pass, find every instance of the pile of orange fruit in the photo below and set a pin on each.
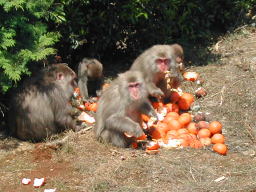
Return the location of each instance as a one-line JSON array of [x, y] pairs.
[[176, 123]]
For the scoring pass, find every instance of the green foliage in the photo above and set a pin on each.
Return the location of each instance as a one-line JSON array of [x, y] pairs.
[[103, 28], [24, 37], [31, 30]]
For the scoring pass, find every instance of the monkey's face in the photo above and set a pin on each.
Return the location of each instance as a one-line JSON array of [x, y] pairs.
[[163, 64], [135, 90]]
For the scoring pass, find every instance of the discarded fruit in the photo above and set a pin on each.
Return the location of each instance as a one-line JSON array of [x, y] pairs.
[[145, 117], [196, 144], [205, 141], [185, 119], [190, 76], [152, 145], [220, 148], [200, 92], [202, 125], [173, 134], [92, 107], [199, 117], [185, 101], [142, 137], [192, 128], [174, 125], [182, 131], [218, 138], [203, 133], [215, 127], [175, 96]]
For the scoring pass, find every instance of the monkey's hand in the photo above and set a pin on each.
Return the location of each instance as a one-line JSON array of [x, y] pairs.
[[158, 93], [135, 132], [153, 115]]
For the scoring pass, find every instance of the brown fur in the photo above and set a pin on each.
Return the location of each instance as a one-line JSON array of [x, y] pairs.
[[40, 107], [117, 112], [90, 77], [154, 78]]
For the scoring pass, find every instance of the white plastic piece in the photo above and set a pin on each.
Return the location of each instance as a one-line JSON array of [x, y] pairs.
[[85, 117], [38, 182], [50, 190], [26, 181]]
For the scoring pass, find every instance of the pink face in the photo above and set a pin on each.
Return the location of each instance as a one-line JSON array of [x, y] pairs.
[[134, 90], [163, 64]]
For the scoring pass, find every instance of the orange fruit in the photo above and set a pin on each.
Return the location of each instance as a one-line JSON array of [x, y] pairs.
[[168, 118], [172, 107], [192, 128], [203, 133], [215, 127], [192, 137], [218, 138], [175, 115], [185, 119], [157, 105], [153, 146], [202, 125], [182, 131], [185, 101], [159, 131], [145, 117], [155, 133], [163, 126], [190, 76], [142, 137], [92, 107], [134, 145], [175, 96], [173, 134], [206, 141], [195, 144], [174, 124], [184, 142], [189, 137], [220, 148]]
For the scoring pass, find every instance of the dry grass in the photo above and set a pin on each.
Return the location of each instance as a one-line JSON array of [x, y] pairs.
[[84, 164]]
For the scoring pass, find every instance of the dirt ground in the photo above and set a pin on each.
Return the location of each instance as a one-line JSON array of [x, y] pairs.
[[83, 164]]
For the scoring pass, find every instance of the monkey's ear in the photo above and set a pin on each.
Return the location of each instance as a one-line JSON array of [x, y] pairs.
[[60, 76]]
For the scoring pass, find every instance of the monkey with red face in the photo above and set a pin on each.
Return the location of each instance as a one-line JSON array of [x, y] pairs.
[[155, 62], [40, 107], [120, 108]]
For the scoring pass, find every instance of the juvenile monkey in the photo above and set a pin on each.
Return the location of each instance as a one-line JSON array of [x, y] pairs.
[[120, 108], [90, 78], [155, 62]]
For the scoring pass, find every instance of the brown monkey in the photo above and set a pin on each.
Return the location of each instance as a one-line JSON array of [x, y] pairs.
[[120, 108], [155, 62], [90, 78], [40, 107]]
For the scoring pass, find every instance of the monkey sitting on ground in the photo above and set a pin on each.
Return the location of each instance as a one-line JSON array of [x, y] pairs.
[[120, 108], [155, 62], [40, 107], [90, 78]]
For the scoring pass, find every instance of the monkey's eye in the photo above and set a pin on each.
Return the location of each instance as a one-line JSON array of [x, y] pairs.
[[163, 61], [134, 85]]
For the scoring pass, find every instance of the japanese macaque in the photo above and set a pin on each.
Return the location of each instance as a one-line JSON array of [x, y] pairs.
[[120, 108], [90, 78], [40, 107], [157, 62]]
